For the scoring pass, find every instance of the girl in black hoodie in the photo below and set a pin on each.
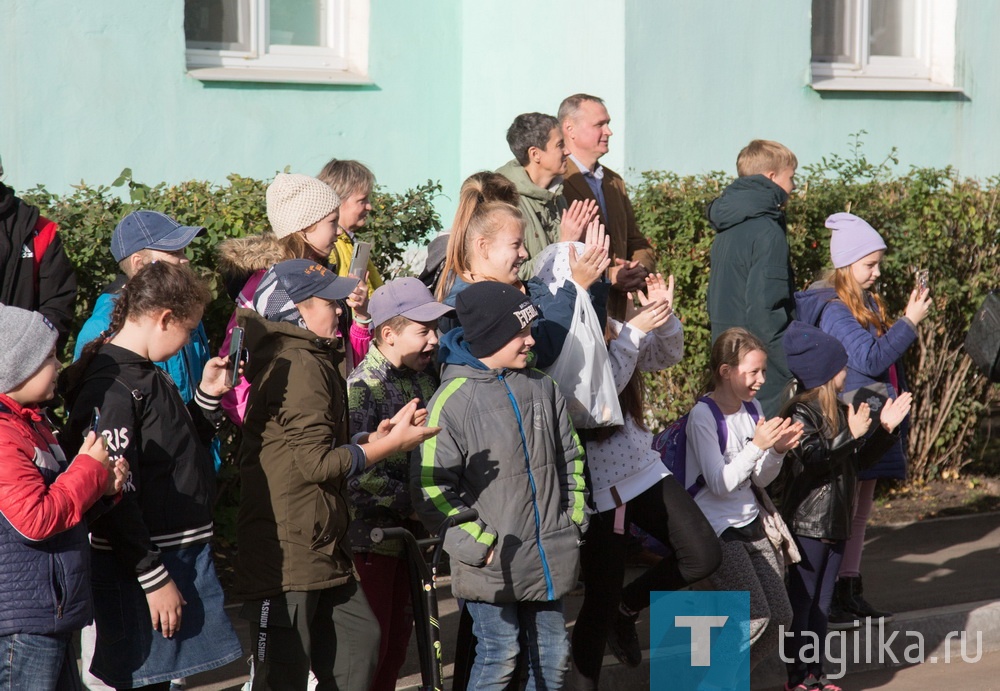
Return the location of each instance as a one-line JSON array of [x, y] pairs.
[[151, 554]]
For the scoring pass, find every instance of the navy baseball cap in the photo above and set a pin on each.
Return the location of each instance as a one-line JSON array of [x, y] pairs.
[[303, 279], [150, 230], [296, 280]]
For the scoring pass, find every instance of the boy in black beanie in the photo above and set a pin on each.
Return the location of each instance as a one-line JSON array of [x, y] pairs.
[[507, 449]]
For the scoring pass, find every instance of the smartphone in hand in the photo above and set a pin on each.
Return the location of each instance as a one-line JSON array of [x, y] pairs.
[[95, 422], [359, 259], [235, 355], [922, 281]]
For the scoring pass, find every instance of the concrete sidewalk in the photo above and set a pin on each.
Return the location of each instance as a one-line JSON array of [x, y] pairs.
[[939, 576]]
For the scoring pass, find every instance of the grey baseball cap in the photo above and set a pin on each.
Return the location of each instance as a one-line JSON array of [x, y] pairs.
[[405, 297]]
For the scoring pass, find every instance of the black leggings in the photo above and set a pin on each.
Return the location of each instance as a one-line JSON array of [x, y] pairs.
[[667, 512], [810, 590]]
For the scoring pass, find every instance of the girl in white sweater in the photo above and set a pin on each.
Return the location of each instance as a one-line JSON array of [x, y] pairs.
[[748, 450]]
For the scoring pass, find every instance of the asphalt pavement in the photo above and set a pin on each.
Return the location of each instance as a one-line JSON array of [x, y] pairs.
[[940, 576]]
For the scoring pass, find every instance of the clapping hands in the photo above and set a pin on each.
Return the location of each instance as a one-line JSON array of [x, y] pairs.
[[406, 429], [589, 267], [893, 411], [656, 305], [778, 432], [576, 219]]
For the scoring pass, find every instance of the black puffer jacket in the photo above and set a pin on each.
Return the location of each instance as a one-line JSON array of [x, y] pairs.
[[819, 478]]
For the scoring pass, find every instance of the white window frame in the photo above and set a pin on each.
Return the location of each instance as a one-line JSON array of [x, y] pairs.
[[933, 68], [344, 62]]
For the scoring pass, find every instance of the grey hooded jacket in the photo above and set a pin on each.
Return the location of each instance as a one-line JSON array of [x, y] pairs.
[[508, 449]]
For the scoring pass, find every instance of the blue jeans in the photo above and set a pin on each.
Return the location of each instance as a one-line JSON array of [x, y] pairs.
[[32, 661], [503, 630]]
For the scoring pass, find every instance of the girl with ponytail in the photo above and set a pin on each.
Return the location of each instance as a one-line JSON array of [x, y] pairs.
[[151, 554], [487, 244]]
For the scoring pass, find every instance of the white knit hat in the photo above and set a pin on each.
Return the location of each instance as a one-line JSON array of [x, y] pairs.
[[295, 202], [26, 339]]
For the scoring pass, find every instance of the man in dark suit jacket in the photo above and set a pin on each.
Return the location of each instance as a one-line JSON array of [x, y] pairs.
[[585, 122]]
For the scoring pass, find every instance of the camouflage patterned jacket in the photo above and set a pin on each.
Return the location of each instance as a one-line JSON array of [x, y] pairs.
[[380, 496]]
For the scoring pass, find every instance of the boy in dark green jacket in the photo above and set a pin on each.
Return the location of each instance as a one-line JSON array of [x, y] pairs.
[[751, 283], [295, 569]]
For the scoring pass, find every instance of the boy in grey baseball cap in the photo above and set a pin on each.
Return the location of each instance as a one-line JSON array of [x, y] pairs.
[[395, 371]]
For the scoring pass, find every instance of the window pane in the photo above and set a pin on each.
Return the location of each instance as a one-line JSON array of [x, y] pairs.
[[893, 28], [217, 24], [833, 30], [298, 22]]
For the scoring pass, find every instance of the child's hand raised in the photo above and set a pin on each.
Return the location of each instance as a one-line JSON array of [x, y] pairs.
[[575, 220], [657, 289], [770, 432], [655, 306], [587, 269], [859, 420], [893, 411], [919, 305], [95, 446], [649, 316], [790, 438]]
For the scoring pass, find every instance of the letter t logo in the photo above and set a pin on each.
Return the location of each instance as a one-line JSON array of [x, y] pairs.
[[701, 636]]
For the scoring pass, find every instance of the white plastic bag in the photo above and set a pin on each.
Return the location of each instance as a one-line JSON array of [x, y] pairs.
[[582, 369]]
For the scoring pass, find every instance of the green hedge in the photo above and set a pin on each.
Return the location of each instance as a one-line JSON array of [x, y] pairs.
[[930, 218], [89, 214]]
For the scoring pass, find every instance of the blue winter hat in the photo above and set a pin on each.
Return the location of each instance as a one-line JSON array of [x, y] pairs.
[[814, 357], [150, 230]]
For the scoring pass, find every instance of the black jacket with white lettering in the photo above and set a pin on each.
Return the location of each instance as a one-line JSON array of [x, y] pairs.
[[166, 503]]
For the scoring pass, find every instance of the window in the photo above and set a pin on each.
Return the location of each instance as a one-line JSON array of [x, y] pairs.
[[277, 40], [883, 45]]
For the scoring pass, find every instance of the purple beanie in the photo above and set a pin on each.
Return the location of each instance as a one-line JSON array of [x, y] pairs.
[[852, 239]]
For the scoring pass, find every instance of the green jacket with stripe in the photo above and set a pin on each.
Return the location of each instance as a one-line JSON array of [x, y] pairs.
[[507, 449]]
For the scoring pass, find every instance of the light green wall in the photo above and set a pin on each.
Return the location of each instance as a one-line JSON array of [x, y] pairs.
[[521, 56], [706, 77], [89, 88], [107, 88]]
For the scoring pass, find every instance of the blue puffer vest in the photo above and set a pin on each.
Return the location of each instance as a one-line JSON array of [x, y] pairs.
[[44, 585]]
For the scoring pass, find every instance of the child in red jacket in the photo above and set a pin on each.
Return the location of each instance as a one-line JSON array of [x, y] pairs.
[[44, 554]]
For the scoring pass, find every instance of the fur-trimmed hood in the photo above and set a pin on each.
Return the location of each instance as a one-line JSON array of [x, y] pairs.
[[240, 257]]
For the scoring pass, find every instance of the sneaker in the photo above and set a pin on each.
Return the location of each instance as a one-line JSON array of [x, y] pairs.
[[623, 640], [822, 684]]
